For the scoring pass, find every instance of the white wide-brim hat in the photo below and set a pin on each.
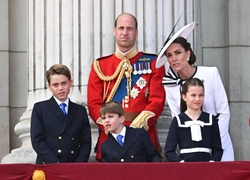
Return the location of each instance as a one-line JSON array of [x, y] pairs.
[[183, 32]]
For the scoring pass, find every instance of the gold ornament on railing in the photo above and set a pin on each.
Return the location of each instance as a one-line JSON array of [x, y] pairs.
[[38, 175]]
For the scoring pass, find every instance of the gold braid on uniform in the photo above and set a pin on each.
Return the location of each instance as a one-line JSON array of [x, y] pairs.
[[117, 83], [124, 67], [141, 121], [102, 76]]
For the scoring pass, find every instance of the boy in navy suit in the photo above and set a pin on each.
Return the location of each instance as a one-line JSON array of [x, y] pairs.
[[124, 144], [60, 129]]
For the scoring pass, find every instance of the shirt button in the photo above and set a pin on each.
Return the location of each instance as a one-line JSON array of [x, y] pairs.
[[73, 139], [122, 160], [59, 151], [72, 152], [60, 137]]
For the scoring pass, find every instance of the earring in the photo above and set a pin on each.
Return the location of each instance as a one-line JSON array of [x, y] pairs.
[[187, 59]]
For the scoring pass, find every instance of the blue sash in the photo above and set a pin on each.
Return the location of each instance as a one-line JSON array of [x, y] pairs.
[[122, 90]]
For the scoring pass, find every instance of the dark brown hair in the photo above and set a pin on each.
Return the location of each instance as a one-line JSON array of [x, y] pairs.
[[113, 108], [184, 90], [58, 69]]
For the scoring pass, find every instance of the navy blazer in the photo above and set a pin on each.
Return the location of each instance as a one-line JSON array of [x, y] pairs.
[[137, 147], [58, 138]]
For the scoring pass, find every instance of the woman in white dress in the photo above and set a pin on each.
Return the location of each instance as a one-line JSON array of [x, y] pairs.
[[179, 65]]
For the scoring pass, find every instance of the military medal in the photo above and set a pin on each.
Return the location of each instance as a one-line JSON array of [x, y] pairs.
[[149, 69], [141, 82], [135, 72], [145, 71], [134, 93], [140, 71]]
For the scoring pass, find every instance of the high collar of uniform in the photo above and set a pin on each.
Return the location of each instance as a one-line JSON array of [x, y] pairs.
[[129, 54]]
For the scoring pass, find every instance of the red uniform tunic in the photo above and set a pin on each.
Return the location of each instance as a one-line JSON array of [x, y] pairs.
[[148, 95]]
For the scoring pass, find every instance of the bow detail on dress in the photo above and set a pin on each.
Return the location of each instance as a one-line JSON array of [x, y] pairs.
[[195, 127], [171, 78]]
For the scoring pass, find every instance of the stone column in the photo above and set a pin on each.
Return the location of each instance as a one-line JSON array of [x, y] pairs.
[[58, 32], [239, 62], [4, 81]]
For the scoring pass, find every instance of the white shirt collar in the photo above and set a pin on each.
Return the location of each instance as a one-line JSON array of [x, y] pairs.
[[66, 102], [59, 102], [123, 132]]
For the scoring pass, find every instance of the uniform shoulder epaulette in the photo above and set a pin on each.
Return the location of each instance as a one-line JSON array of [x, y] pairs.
[[104, 57]]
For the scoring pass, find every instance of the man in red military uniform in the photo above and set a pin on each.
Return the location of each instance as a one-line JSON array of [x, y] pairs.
[[129, 77]]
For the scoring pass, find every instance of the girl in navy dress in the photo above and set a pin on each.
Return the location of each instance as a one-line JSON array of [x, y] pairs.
[[194, 131]]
